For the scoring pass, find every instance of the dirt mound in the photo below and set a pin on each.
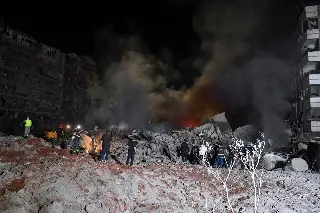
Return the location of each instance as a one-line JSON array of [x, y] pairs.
[[37, 178]]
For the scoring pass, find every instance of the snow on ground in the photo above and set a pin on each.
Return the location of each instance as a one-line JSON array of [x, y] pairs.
[[38, 178]]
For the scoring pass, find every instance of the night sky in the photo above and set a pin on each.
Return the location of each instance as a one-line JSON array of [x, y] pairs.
[[73, 26], [161, 24]]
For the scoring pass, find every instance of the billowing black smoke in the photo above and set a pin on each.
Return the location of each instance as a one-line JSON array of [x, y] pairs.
[[258, 93], [125, 91], [254, 88]]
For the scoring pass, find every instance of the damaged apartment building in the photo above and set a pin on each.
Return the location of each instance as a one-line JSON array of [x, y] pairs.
[[306, 116], [80, 74], [31, 80], [33, 76], [305, 119]]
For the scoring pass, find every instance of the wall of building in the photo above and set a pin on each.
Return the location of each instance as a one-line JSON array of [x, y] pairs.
[[31, 76], [80, 72], [305, 117], [42, 82]]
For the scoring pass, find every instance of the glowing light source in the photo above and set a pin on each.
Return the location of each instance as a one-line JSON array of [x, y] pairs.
[[68, 126], [189, 123], [78, 126]]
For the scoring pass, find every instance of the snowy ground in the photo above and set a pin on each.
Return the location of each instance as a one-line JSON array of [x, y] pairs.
[[37, 178]]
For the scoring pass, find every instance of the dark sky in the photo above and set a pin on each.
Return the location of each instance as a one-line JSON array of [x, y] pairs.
[[71, 26]]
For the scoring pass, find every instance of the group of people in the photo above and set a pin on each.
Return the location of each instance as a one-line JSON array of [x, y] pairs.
[[105, 142], [217, 156], [105, 150]]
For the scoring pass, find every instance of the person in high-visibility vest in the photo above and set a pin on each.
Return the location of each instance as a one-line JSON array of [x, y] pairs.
[[27, 126]]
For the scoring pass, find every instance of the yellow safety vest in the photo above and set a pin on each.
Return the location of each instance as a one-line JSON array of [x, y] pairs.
[[28, 122]]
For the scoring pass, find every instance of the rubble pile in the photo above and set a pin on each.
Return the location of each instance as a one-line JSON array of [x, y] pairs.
[[34, 177], [163, 146]]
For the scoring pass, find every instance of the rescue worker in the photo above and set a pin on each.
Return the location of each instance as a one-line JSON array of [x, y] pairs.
[[195, 155], [215, 153], [184, 150], [27, 126], [106, 139], [131, 150], [92, 134], [60, 134], [203, 151], [75, 138], [93, 138], [230, 156], [220, 158]]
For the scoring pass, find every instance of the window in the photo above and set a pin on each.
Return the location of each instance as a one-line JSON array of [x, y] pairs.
[[51, 53]]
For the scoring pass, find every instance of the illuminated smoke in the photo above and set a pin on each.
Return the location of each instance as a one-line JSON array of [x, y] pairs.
[[236, 77], [135, 90]]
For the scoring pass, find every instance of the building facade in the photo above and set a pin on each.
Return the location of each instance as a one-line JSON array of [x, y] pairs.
[[305, 118], [31, 82], [80, 74]]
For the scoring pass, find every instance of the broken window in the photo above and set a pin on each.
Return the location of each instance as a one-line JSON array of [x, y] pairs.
[[5, 73], [52, 53]]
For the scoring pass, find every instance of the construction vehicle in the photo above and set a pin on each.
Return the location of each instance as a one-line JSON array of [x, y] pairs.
[[50, 135]]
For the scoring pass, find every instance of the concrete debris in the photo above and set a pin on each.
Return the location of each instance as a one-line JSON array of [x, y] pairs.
[[298, 165], [270, 160], [162, 147], [38, 178]]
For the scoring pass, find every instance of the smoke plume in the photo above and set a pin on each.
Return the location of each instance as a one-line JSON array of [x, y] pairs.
[[134, 87], [235, 78]]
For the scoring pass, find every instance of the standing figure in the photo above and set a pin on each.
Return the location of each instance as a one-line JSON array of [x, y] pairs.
[[60, 134], [93, 138], [230, 156], [27, 126], [220, 158], [75, 138], [106, 139], [203, 152], [184, 150], [195, 155], [131, 151]]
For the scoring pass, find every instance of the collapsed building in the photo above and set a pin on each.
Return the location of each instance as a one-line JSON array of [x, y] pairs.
[[158, 145]]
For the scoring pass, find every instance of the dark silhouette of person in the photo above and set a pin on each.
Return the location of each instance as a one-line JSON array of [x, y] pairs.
[[184, 151], [131, 151], [195, 158], [106, 139]]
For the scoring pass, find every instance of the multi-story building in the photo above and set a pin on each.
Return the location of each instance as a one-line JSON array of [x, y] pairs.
[[81, 72], [305, 119], [306, 116], [31, 81]]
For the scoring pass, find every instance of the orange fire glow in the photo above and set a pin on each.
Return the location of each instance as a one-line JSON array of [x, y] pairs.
[[197, 107], [86, 142], [189, 123]]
